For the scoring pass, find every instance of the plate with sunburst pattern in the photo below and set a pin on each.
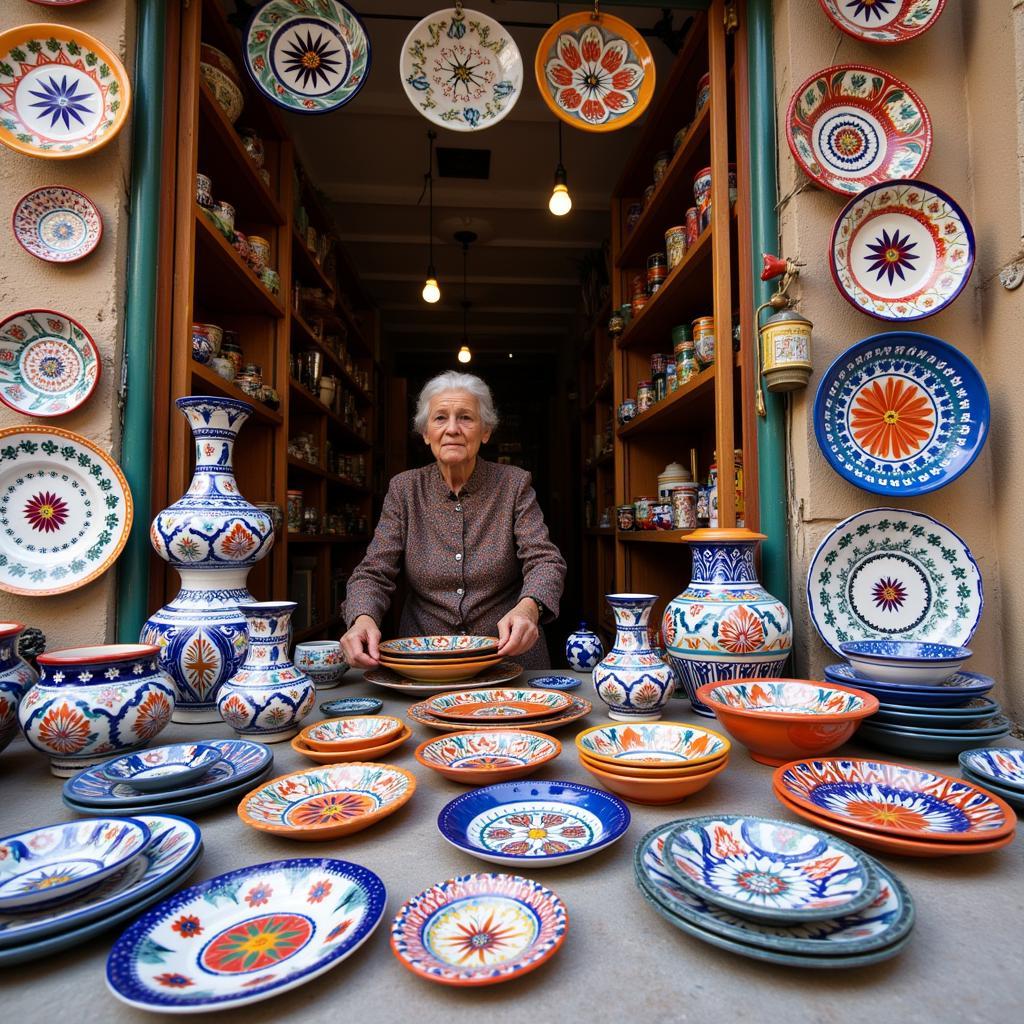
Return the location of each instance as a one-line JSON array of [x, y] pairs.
[[883, 21]]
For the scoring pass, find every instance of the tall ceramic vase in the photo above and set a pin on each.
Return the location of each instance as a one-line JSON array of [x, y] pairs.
[[213, 537], [268, 696], [16, 676], [725, 625], [633, 679]]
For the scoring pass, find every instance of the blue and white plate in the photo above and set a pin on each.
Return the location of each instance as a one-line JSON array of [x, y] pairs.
[[351, 706], [956, 691], [901, 413], [246, 935], [978, 709], [1014, 797], [926, 744], [544, 824], [1002, 765], [162, 768], [555, 682]]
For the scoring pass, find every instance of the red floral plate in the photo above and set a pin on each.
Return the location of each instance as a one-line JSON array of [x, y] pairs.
[[421, 713], [503, 705], [883, 21]]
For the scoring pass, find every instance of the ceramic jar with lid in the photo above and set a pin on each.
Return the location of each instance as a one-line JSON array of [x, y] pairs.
[[704, 340], [670, 477], [583, 649], [16, 677], [644, 396]]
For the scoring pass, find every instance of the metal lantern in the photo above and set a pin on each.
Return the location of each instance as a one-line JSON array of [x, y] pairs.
[[784, 348]]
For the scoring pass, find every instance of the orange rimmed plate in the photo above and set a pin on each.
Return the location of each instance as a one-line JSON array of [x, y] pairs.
[[345, 756], [354, 733], [419, 713], [498, 705]]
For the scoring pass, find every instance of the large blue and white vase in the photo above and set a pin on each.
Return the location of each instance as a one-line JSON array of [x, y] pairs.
[[725, 625], [583, 649], [267, 698], [16, 676], [213, 537], [633, 679]]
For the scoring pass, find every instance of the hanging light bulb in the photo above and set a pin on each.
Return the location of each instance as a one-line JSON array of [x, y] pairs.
[[465, 239], [431, 289], [464, 354], [560, 202]]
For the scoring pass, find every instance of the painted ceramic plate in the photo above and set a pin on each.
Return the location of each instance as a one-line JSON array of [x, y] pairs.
[[497, 705], [503, 672], [348, 733], [1003, 765], [420, 713], [49, 364], [351, 706], [62, 92], [1014, 797], [950, 693], [485, 757], [653, 744], [444, 647], [883, 21], [851, 126], [894, 799], [979, 709], [374, 753], [57, 224], [888, 572], [246, 935], [161, 768], [928, 745], [461, 70], [555, 682], [533, 822], [308, 56], [479, 929], [596, 74]]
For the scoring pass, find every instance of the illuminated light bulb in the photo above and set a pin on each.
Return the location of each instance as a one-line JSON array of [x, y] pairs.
[[464, 354], [560, 202], [431, 289]]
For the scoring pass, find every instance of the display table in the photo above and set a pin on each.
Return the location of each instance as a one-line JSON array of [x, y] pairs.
[[621, 962]]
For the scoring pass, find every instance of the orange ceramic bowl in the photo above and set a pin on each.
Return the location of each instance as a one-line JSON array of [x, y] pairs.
[[359, 754], [353, 733], [480, 758], [432, 673], [653, 791], [780, 720], [639, 771]]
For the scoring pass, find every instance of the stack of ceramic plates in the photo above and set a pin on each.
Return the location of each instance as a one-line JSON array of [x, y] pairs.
[[653, 762], [123, 865], [362, 738], [774, 891], [505, 708], [998, 769], [893, 808], [440, 659], [104, 790], [495, 675]]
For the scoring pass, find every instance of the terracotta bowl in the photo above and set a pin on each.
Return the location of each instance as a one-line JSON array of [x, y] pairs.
[[343, 756], [430, 673], [780, 720], [637, 771], [652, 745], [653, 791], [457, 646], [480, 758], [355, 733]]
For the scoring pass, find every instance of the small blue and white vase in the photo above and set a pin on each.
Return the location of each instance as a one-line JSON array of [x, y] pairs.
[[267, 698], [633, 679], [16, 676], [583, 649]]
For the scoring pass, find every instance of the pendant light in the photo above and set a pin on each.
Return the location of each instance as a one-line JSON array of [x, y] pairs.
[[465, 239], [560, 202], [431, 289]]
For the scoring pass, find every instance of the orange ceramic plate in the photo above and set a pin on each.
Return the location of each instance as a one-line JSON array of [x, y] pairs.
[[654, 791], [596, 74], [641, 771], [353, 733], [501, 704], [420, 712], [481, 758], [431, 673], [343, 756]]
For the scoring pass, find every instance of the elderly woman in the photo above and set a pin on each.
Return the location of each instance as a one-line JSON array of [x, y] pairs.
[[468, 535]]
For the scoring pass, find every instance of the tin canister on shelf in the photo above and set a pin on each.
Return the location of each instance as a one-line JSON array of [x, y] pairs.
[[657, 363], [684, 506], [644, 396], [703, 505], [626, 517], [657, 271], [642, 512], [661, 515], [294, 511], [692, 226], [648, 195], [639, 301], [661, 162], [704, 340], [686, 364], [671, 383], [627, 411], [660, 387], [633, 212], [638, 285], [677, 139], [675, 245]]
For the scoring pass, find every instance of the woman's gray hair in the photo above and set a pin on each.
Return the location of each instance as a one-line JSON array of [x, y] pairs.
[[452, 380]]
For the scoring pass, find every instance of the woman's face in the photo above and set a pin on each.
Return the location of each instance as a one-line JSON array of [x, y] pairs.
[[454, 429]]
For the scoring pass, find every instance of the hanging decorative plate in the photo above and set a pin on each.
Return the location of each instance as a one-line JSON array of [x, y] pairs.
[[883, 21], [308, 56], [49, 365], [852, 126], [62, 93], [57, 224], [901, 413], [461, 70], [65, 511], [594, 72], [889, 572]]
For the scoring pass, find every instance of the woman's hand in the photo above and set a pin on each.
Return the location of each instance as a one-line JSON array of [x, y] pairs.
[[517, 631], [359, 644]]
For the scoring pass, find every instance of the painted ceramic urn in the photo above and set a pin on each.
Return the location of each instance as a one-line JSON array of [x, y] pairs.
[[583, 649], [633, 678], [16, 676], [725, 625], [213, 537], [268, 696], [94, 702]]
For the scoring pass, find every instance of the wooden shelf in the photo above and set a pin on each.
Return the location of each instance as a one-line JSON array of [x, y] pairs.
[[653, 536], [303, 397], [306, 263], [694, 400], [318, 627], [326, 538], [208, 382], [306, 333], [324, 474]]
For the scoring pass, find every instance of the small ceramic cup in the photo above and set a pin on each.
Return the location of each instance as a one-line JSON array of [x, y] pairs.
[[213, 332], [271, 280], [702, 189], [703, 92], [223, 366], [692, 226], [204, 190], [677, 139], [241, 246], [226, 212], [675, 244], [253, 145], [322, 661], [259, 253]]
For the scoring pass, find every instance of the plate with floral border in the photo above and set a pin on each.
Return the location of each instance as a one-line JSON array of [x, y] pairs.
[[901, 250], [461, 69], [57, 224], [595, 73], [1003, 765], [555, 682], [498, 705], [889, 572], [495, 675], [852, 126], [580, 707], [901, 413], [883, 21], [308, 56], [62, 93], [49, 364], [245, 936]]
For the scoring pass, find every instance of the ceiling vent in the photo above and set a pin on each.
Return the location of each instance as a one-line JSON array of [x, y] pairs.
[[463, 163]]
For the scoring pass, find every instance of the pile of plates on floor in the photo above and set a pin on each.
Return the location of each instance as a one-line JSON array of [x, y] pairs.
[[440, 659], [999, 769], [500, 708], [895, 809], [495, 675], [774, 891], [360, 738], [103, 871], [165, 779]]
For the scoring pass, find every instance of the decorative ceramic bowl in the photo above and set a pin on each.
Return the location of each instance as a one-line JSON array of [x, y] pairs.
[[351, 706], [219, 59], [374, 753], [322, 661], [653, 745], [930, 744], [480, 758], [533, 822], [578, 709], [160, 768], [479, 929], [637, 770], [1014, 797], [57, 224], [1002, 765], [888, 22], [643, 789], [779, 719], [228, 96], [954, 692], [494, 675], [338, 734], [555, 682], [498, 705], [246, 935], [49, 864], [440, 646], [453, 672], [904, 661]]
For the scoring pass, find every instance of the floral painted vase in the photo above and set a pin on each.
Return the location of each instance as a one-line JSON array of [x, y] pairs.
[[94, 702], [213, 537], [16, 676], [583, 649], [633, 679], [268, 696], [725, 625]]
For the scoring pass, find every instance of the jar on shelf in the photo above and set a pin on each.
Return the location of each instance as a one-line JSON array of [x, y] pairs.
[[625, 516], [627, 411], [692, 226], [684, 506], [657, 271], [675, 245], [704, 340], [670, 375], [642, 512], [670, 477], [310, 520], [633, 212], [294, 510], [644, 396], [677, 139], [648, 195], [661, 162]]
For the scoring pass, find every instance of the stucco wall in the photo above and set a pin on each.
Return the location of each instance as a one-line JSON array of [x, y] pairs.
[[966, 72], [91, 291]]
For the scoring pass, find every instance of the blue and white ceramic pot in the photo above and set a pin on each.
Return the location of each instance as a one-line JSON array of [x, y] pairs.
[[16, 676], [268, 696], [583, 649], [213, 537], [94, 702], [725, 625], [322, 661], [633, 678]]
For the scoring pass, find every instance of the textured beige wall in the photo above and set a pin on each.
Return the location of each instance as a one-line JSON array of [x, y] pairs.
[[91, 291], [966, 72]]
